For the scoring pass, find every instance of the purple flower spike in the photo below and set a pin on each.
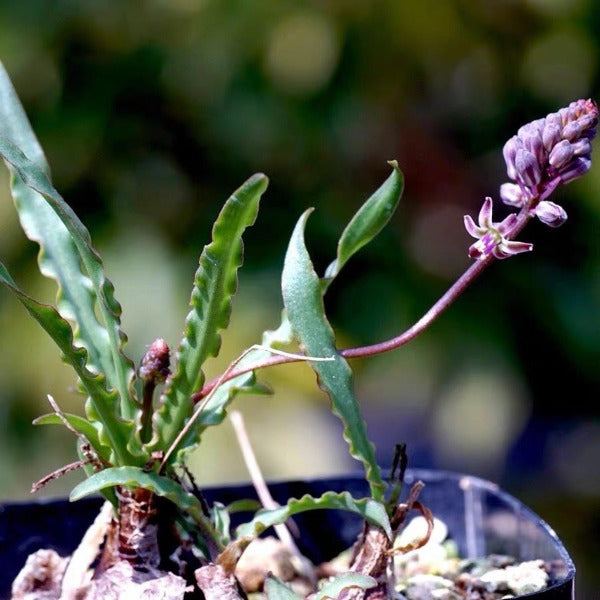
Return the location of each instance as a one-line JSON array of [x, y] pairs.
[[491, 237], [546, 153]]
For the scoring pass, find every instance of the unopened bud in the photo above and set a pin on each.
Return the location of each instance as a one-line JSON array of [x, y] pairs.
[[551, 136], [561, 154], [572, 131], [155, 363], [575, 169], [512, 194], [582, 148], [528, 168], [550, 213], [510, 152]]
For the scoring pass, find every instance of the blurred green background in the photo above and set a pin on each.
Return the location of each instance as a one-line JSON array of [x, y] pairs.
[[152, 113]]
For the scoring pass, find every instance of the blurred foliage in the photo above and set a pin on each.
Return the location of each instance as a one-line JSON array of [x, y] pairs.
[[152, 113]]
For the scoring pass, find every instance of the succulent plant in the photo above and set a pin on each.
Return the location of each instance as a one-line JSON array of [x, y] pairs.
[[138, 424]]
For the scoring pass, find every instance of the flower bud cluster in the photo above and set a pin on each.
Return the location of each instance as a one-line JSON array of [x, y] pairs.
[[547, 153]]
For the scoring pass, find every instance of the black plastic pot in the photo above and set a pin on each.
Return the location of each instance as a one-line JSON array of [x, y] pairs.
[[481, 518]]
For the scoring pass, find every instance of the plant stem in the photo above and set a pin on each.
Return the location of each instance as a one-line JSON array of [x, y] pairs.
[[453, 292], [147, 406]]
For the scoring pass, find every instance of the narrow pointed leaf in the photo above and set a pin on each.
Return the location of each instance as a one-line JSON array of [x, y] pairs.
[[214, 286], [368, 509], [14, 124], [80, 425], [368, 221], [334, 588], [277, 590], [102, 406], [58, 259], [66, 253], [303, 300]]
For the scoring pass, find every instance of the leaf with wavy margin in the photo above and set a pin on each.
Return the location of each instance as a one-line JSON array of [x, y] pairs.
[[371, 510], [64, 244], [101, 406], [303, 301], [214, 286], [58, 257]]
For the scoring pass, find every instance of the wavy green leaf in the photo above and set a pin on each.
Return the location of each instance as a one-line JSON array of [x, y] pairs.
[[371, 510], [101, 406], [332, 589], [65, 247], [157, 484], [79, 424], [137, 477], [277, 590], [368, 221], [214, 286], [58, 257], [303, 300]]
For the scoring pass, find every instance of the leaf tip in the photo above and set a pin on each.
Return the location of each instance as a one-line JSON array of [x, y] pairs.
[[259, 179], [75, 495], [397, 170]]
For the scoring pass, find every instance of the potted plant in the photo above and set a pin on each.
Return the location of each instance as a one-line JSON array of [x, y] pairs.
[[157, 533]]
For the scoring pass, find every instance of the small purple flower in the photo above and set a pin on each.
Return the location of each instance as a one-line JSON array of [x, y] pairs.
[[546, 153], [491, 237]]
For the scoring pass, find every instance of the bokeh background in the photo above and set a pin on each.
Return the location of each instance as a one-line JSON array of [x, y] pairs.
[[152, 113]]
